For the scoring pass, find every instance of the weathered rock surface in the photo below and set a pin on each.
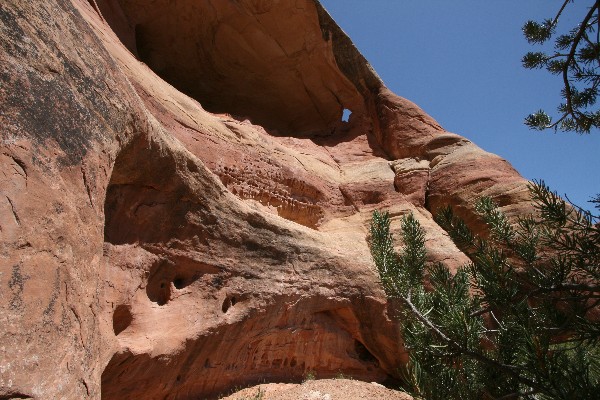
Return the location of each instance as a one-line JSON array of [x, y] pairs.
[[156, 244], [322, 389]]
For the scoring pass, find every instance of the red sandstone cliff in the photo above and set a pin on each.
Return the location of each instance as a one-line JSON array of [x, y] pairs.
[[182, 209]]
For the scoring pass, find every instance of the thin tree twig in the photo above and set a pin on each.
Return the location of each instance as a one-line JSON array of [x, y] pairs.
[[555, 21]]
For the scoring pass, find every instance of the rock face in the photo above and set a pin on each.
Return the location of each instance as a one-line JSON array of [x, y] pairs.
[[322, 389], [182, 208]]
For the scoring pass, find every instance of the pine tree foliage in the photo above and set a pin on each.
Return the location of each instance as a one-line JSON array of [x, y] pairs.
[[576, 58], [520, 321]]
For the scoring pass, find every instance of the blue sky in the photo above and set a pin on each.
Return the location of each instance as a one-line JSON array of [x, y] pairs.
[[461, 62]]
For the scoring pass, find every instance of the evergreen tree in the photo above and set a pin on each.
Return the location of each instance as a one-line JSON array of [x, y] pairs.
[[576, 58], [520, 321]]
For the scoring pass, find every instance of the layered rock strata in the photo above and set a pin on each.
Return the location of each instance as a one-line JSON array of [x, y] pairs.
[[183, 209]]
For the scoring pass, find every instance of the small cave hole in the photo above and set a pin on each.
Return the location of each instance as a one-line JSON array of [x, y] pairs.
[[15, 396], [191, 166], [160, 293], [122, 318], [228, 303], [363, 353], [346, 115], [373, 198], [179, 283]]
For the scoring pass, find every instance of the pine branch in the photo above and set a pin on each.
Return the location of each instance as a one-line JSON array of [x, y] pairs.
[[509, 369], [579, 64], [565, 286], [535, 322], [516, 395], [571, 56]]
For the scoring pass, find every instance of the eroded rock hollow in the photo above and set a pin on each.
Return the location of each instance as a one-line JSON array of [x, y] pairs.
[[183, 209]]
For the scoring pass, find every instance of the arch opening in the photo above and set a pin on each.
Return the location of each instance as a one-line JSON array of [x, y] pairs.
[[236, 59]]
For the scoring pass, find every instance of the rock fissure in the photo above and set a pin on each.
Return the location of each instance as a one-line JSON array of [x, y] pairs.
[[14, 211]]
